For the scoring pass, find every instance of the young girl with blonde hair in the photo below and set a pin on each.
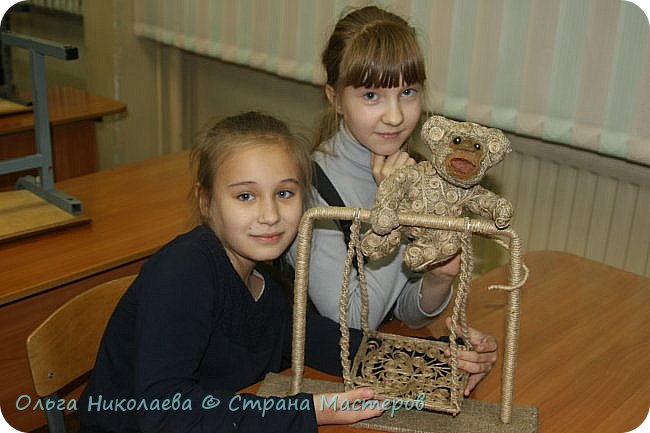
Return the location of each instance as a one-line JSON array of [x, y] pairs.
[[202, 321], [375, 77]]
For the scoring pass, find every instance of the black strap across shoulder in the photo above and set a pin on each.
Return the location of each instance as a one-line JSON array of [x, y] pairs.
[[326, 190]]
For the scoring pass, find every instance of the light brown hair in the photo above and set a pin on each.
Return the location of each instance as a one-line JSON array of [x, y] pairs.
[[220, 139], [369, 47]]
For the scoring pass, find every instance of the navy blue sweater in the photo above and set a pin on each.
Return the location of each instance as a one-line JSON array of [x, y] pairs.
[[187, 335]]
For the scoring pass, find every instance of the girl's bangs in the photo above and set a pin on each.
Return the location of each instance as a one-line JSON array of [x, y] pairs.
[[387, 62]]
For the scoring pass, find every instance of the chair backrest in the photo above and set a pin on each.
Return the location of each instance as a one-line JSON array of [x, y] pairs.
[[64, 346]]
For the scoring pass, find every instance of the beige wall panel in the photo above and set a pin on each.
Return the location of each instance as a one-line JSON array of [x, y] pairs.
[[601, 218], [565, 190]]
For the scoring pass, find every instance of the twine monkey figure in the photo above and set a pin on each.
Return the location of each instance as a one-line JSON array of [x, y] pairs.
[[445, 185]]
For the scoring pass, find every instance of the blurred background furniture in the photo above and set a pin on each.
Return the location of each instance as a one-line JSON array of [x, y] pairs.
[[135, 210], [63, 348], [73, 114]]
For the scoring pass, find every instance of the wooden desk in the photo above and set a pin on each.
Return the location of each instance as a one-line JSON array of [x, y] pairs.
[[72, 113], [135, 209], [584, 346]]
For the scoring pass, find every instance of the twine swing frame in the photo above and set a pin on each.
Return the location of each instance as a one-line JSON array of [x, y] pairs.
[[406, 368], [516, 278]]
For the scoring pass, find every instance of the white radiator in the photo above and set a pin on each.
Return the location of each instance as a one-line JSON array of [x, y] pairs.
[[574, 201]]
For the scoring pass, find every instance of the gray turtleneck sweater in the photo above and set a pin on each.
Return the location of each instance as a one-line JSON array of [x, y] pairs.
[[391, 287]]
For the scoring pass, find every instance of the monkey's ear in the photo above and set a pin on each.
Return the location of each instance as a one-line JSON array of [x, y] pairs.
[[498, 142], [437, 133], [494, 146], [435, 127]]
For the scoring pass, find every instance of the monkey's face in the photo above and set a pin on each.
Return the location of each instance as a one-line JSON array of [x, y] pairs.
[[464, 157], [461, 152]]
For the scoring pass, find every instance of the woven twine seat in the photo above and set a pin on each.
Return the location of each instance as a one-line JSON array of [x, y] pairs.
[[406, 368], [409, 369], [413, 370]]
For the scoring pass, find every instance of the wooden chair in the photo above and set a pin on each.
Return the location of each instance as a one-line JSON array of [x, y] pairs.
[[64, 346]]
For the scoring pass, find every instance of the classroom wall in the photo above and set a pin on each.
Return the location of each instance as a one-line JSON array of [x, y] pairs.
[[565, 198]]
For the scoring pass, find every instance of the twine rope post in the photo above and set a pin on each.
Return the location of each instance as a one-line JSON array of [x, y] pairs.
[[303, 248], [466, 273], [460, 309], [515, 281], [363, 285], [343, 297]]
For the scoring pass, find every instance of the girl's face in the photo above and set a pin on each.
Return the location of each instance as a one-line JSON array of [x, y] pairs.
[[256, 204], [381, 119]]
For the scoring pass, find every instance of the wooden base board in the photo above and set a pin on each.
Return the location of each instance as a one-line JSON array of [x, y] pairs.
[[475, 416], [23, 214]]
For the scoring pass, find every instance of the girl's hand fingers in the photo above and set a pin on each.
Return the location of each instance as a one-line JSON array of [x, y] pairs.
[[479, 361], [447, 270], [339, 408], [384, 166]]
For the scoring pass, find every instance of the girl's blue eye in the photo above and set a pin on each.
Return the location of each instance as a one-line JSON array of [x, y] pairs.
[[285, 193], [246, 196], [370, 96], [409, 92]]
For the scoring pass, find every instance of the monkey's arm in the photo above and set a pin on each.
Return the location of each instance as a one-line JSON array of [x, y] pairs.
[[484, 202], [390, 199]]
